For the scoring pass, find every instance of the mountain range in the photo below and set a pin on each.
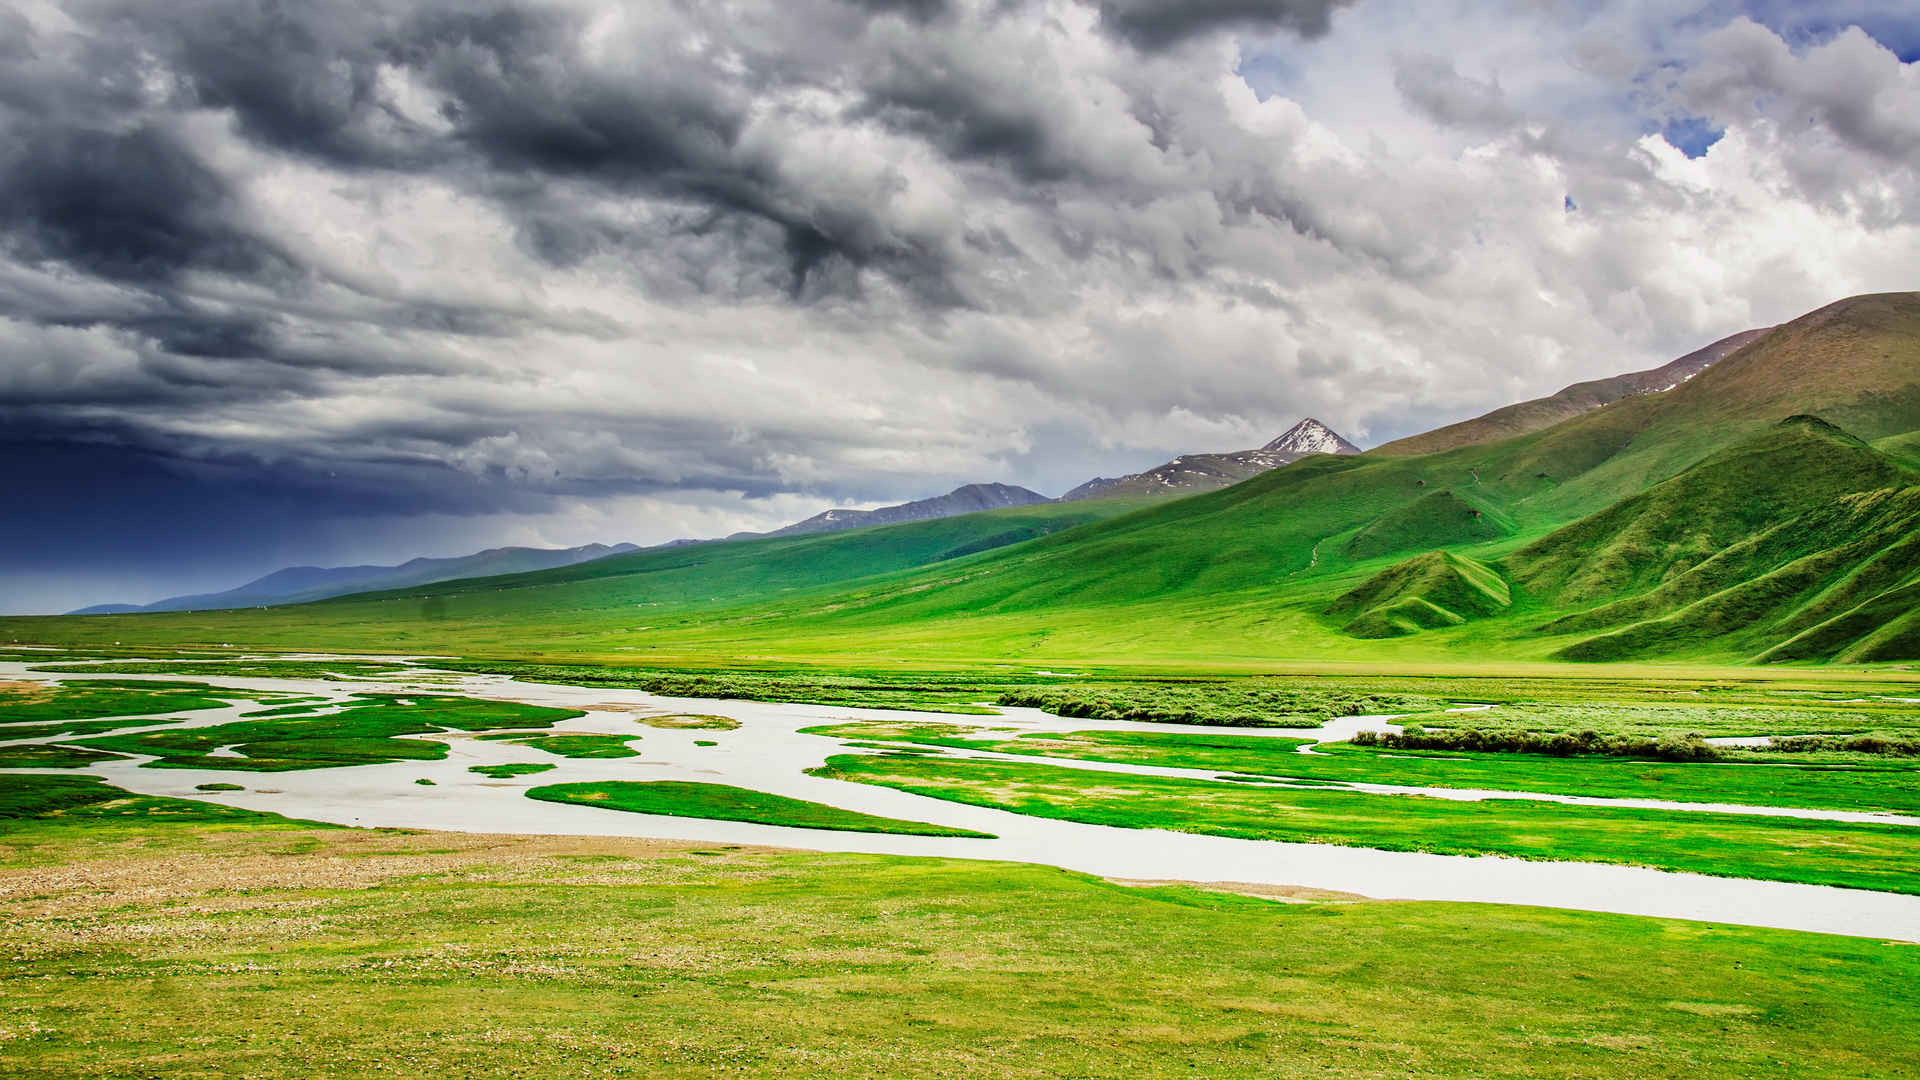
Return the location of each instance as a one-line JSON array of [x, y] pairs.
[[302, 584], [1757, 501], [1190, 474], [1569, 402]]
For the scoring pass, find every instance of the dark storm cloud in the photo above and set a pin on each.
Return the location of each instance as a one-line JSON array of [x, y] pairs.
[[517, 96], [132, 207], [1159, 24], [922, 10]]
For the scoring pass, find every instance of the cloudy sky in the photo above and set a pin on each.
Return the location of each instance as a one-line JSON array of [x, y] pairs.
[[335, 281]]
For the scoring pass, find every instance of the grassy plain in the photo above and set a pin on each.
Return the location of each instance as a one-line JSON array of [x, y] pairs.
[[571, 745], [258, 947], [1728, 845], [363, 733], [1848, 782], [236, 668], [38, 704]]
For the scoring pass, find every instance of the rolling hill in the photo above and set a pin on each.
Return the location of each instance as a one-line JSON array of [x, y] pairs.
[[1571, 401]]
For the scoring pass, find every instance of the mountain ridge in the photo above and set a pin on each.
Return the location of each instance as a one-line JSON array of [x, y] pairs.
[[965, 499], [1523, 417], [1190, 474], [302, 584]]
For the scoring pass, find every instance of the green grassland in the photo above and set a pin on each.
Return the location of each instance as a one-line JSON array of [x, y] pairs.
[[1728, 845], [42, 756], [98, 698], [724, 802], [36, 807], [241, 669], [1779, 716], [363, 733], [571, 746], [1832, 782], [504, 772], [353, 953]]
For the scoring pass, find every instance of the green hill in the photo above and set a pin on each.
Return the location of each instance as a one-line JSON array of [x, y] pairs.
[[1527, 416], [1440, 519], [1427, 591], [1835, 583], [1642, 541]]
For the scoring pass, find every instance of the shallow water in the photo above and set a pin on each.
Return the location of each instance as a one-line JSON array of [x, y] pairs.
[[768, 753]]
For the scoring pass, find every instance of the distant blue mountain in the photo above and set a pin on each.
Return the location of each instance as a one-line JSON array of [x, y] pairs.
[[301, 584], [970, 499]]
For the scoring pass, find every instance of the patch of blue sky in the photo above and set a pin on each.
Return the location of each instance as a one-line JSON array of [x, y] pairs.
[[1691, 135]]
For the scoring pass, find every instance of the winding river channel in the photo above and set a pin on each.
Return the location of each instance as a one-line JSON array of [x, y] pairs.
[[769, 753]]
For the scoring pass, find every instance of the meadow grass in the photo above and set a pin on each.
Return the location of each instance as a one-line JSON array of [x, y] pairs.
[[723, 802], [512, 769], [1728, 845], [43, 756], [1876, 714], [339, 670], [241, 946], [39, 704], [33, 805], [572, 746], [364, 733], [1835, 782]]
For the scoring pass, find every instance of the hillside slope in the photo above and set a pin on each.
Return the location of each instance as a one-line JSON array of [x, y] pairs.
[[967, 499], [1837, 582], [1571, 401], [1800, 543], [1643, 541]]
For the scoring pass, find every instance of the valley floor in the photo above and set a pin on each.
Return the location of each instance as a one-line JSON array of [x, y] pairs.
[[553, 879], [1389, 841]]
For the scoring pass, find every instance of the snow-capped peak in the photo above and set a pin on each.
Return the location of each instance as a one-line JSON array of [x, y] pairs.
[[1310, 436]]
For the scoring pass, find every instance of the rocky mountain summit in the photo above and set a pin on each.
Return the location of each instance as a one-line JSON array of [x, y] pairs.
[[1190, 474], [1310, 436]]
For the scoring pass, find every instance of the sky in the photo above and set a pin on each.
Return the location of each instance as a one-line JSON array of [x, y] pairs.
[[345, 281]]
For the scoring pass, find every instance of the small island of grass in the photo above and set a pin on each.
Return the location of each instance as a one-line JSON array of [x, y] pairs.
[[721, 802], [517, 768]]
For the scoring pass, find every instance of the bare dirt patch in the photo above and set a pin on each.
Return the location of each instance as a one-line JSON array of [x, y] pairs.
[[21, 693], [690, 722], [652, 717]]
